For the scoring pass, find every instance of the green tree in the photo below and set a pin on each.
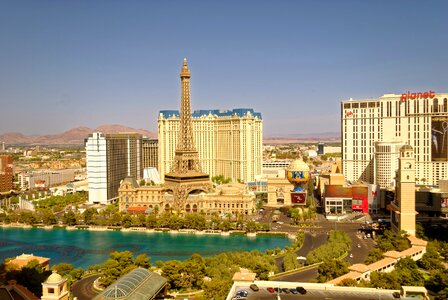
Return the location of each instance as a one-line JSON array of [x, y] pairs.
[[296, 214], [27, 217], [331, 269], [171, 270], [348, 282], [89, 216], [117, 265], [194, 271], [143, 261], [151, 221], [408, 272], [31, 276], [126, 221], [63, 268], [47, 216], [374, 255], [217, 289], [385, 280], [77, 273], [290, 261], [438, 283], [431, 260], [69, 218]]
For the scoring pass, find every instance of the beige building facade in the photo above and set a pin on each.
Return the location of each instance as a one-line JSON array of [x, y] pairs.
[[403, 207], [232, 198], [229, 143], [418, 119], [150, 149]]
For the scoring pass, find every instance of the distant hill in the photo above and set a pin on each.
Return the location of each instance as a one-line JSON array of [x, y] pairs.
[[74, 136], [302, 138]]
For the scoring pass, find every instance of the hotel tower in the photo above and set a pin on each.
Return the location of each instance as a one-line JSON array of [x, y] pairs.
[[374, 130], [228, 142]]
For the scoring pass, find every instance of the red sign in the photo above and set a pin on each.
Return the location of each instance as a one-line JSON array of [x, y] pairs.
[[424, 95], [298, 198]]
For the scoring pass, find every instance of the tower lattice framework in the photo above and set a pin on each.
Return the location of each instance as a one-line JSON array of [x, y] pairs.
[[186, 173], [186, 158]]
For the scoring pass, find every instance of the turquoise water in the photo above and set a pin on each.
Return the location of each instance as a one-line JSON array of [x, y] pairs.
[[84, 248]]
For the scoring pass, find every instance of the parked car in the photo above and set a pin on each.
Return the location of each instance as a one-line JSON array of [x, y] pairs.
[[254, 287], [301, 290], [294, 291], [241, 294], [270, 290], [285, 290]]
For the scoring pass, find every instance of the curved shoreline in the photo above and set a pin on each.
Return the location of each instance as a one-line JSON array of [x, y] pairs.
[[148, 230]]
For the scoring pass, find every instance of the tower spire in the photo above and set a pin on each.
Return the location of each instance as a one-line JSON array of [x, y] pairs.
[[185, 72], [185, 142]]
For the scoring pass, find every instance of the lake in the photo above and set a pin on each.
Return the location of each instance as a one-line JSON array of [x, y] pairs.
[[83, 248]]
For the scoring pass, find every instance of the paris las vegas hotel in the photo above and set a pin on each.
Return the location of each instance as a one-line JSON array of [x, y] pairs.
[[229, 142], [374, 130]]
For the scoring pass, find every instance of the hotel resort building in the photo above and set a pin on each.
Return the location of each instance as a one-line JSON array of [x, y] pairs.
[[110, 159], [373, 131], [229, 142], [232, 198]]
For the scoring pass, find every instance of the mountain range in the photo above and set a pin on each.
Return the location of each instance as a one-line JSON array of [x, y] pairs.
[[76, 136]]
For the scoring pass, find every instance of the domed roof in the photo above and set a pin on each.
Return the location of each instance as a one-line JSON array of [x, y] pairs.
[[54, 278], [299, 165], [406, 148], [232, 189]]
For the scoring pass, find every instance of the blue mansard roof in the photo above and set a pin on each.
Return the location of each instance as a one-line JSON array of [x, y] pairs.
[[240, 112]]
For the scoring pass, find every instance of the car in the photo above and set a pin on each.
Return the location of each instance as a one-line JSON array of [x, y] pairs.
[[241, 294], [293, 290], [285, 290], [254, 287], [359, 246], [277, 290], [351, 255], [270, 290], [301, 290]]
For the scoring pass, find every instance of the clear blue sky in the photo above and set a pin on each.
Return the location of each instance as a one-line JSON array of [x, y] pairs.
[[65, 64]]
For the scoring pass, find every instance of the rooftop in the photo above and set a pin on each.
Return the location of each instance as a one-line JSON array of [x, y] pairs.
[[239, 112]]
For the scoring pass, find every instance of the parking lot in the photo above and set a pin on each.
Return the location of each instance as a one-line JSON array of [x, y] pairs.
[[294, 291]]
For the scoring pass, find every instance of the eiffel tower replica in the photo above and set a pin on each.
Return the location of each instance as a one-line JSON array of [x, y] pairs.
[[186, 174]]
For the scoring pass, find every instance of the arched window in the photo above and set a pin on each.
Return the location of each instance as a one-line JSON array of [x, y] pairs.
[[435, 105]]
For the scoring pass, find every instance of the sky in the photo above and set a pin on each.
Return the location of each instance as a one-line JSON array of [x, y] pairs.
[[65, 64]]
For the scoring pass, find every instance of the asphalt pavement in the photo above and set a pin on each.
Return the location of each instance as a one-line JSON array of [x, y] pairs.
[[83, 289]]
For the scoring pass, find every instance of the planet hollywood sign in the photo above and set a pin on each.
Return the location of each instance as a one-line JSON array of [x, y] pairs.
[[410, 95]]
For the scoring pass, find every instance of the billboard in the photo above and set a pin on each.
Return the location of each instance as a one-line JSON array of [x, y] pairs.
[[338, 191], [360, 198], [298, 198], [439, 138]]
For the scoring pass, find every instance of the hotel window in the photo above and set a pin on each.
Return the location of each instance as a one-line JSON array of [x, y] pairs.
[[435, 105]]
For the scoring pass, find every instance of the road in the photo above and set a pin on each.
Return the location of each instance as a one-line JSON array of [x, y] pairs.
[[83, 289], [311, 242], [315, 237]]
